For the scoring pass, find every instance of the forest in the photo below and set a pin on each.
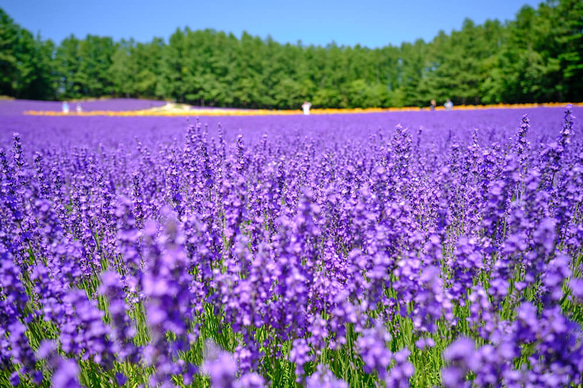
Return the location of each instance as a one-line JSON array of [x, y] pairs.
[[536, 57]]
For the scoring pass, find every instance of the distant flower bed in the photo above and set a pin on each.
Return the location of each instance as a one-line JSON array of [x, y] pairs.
[[199, 111], [12, 107]]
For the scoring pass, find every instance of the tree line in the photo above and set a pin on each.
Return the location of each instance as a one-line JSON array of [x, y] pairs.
[[536, 57]]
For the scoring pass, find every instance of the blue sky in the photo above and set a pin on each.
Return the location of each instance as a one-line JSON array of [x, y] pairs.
[[371, 23]]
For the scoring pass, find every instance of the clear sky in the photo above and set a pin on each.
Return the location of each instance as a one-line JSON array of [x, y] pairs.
[[372, 23]]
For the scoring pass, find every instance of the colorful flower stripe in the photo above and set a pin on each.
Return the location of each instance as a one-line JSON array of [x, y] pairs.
[[266, 112]]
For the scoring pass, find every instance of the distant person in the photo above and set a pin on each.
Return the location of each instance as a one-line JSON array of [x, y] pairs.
[[79, 109], [65, 107], [306, 107], [433, 105], [448, 104]]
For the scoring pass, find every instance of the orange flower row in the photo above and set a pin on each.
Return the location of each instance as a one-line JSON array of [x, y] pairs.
[[266, 112]]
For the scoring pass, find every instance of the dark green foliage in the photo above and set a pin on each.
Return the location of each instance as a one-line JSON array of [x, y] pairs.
[[83, 67], [537, 57], [25, 62]]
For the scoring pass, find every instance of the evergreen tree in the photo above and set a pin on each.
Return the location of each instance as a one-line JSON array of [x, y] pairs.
[[536, 57]]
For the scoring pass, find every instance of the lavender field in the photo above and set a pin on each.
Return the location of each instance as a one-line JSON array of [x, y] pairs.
[[396, 249]]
